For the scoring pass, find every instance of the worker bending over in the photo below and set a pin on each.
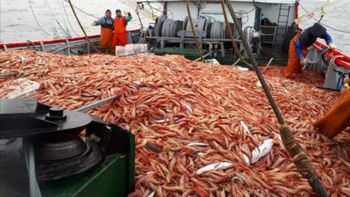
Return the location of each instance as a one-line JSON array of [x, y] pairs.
[[106, 23], [120, 37], [338, 117], [298, 47]]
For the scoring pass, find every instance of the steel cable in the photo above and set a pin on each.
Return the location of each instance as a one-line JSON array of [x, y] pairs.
[[69, 23], [82, 28], [86, 13], [36, 19], [65, 28], [54, 29], [57, 21], [335, 29]]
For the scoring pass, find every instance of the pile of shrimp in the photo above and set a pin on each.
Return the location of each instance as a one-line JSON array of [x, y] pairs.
[[187, 115], [307, 76]]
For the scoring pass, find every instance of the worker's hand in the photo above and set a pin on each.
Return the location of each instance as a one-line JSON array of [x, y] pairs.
[[347, 82], [126, 12], [93, 23], [303, 62], [331, 46]]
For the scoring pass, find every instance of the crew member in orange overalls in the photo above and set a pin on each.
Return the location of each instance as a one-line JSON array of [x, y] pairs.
[[120, 37], [338, 117], [106, 37], [298, 47]]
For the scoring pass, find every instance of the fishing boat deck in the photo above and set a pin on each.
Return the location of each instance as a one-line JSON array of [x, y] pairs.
[[195, 96], [273, 51]]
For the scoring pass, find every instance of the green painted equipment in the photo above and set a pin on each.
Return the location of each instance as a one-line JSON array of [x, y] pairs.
[[57, 153]]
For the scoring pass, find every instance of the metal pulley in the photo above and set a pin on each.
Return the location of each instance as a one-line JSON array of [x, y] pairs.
[[52, 145]]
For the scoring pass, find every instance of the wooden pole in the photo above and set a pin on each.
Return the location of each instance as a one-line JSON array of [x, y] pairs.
[[295, 151]]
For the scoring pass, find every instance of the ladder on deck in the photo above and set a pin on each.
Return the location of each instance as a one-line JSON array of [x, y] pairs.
[[143, 36], [282, 23]]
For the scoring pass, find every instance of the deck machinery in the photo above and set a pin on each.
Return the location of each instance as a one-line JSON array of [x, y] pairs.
[[265, 22], [47, 151]]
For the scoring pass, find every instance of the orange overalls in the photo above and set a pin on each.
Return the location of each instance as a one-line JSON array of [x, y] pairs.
[[106, 38], [338, 118], [293, 60], [106, 33], [120, 37]]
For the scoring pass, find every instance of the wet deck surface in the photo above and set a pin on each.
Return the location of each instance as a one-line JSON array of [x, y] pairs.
[[268, 51]]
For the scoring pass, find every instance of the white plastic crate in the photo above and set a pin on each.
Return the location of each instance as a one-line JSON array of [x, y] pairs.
[[130, 49]]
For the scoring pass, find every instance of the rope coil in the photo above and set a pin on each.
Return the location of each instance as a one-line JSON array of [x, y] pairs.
[[218, 30], [169, 28]]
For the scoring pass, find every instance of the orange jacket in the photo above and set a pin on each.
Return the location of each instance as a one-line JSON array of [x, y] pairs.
[[338, 117], [120, 25], [293, 60]]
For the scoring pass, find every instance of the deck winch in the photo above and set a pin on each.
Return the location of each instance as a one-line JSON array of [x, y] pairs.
[[212, 34], [72, 151]]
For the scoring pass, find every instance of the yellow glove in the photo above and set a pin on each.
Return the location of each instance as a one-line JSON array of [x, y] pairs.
[[347, 86], [347, 83], [347, 80], [331, 46], [303, 62]]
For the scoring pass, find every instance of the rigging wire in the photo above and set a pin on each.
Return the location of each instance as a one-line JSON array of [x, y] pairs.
[[151, 8], [133, 21], [54, 30], [81, 26], [342, 31], [138, 16], [335, 29], [63, 30], [77, 8], [171, 15], [36, 19], [57, 21], [242, 13], [66, 28], [69, 23], [93, 16], [247, 11]]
